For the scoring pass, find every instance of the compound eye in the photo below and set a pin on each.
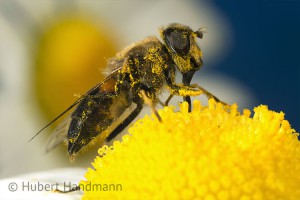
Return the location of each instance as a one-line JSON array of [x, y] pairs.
[[179, 41]]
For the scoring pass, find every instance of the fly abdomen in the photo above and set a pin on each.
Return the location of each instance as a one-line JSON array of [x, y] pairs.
[[94, 115], [91, 118]]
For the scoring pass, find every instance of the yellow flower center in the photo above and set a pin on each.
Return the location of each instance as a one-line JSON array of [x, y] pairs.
[[211, 153]]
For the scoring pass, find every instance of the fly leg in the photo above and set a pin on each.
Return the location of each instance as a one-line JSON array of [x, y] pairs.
[[149, 102], [126, 122], [208, 94], [192, 90], [184, 89], [166, 103], [168, 100], [186, 80]]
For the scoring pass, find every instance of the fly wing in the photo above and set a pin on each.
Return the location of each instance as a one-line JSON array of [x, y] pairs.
[[95, 116], [59, 134]]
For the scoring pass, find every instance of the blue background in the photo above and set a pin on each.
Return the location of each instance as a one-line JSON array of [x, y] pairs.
[[266, 52]]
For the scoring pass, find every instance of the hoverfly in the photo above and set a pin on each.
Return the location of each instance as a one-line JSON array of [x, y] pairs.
[[137, 76]]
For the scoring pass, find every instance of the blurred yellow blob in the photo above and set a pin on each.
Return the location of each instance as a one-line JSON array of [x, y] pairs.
[[70, 54]]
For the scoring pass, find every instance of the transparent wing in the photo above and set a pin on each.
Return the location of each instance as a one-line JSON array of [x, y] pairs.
[[59, 134]]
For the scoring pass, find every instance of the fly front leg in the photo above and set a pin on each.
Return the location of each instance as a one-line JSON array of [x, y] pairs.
[[183, 90], [192, 90], [209, 95]]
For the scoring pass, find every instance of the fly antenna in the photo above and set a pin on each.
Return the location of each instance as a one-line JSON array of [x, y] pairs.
[[200, 32]]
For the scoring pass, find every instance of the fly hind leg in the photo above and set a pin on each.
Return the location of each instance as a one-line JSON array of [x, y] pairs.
[[125, 123]]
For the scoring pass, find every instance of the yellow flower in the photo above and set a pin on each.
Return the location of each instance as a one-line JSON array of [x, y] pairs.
[[210, 153]]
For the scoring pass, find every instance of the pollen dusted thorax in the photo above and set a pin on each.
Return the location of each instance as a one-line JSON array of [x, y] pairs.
[[143, 67]]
